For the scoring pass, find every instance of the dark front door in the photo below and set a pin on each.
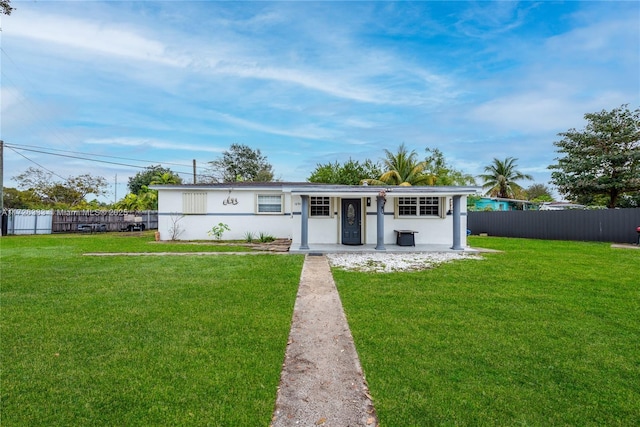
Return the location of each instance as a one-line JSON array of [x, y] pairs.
[[351, 221]]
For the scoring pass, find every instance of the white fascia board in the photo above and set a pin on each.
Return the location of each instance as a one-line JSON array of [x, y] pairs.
[[206, 187], [329, 190], [396, 191]]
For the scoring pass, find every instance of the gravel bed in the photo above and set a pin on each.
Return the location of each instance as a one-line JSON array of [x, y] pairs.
[[387, 263]]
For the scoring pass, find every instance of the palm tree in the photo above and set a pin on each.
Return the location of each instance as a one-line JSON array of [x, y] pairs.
[[403, 168], [165, 178], [501, 176]]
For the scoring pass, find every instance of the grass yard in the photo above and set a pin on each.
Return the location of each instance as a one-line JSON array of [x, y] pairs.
[[544, 333], [77, 244], [140, 340]]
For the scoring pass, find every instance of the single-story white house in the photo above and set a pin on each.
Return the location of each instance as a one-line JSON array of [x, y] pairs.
[[317, 214]]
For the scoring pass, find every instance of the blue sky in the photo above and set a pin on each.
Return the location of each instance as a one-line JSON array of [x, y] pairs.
[[307, 82]]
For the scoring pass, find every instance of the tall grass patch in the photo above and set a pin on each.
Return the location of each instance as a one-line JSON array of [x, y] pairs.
[[140, 340], [542, 333]]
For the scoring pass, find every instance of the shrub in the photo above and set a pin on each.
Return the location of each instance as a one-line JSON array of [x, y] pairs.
[[249, 236], [218, 230], [266, 238]]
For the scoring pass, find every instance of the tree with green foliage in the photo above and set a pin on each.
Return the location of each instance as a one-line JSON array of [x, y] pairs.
[[241, 163], [444, 173], [538, 193], [500, 178], [36, 181], [351, 172], [61, 196], [141, 196], [5, 6], [151, 175], [602, 160], [403, 168], [165, 179], [145, 200], [70, 193], [629, 200], [16, 199]]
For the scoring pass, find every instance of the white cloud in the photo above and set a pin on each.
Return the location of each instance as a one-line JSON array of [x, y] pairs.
[[352, 72], [152, 143], [599, 40], [489, 19], [309, 79], [10, 98], [304, 132], [528, 112], [89, 35]]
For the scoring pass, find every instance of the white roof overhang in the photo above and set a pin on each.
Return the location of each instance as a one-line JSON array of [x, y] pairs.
[[329, 190]]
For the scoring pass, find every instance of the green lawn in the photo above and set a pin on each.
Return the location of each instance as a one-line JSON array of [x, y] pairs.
[[140, 341], [544, 333]]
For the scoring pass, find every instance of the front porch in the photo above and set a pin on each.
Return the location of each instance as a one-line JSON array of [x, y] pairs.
[[390, 249], [407, 210]]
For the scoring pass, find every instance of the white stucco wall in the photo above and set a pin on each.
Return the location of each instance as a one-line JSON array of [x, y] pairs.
[[243, 217], [320, 230], [431, 230]]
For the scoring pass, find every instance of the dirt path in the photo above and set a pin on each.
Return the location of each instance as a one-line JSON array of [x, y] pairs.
[[321, 382]]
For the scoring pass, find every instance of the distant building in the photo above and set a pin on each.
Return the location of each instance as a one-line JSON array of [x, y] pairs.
[[503, 204]]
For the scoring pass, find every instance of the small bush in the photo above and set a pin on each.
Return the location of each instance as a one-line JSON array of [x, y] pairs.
[[266, 238], [218, 230], [249, 237]]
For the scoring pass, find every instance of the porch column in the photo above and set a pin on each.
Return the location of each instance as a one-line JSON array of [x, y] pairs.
[[380, 223], [456, 224], [304, 223]]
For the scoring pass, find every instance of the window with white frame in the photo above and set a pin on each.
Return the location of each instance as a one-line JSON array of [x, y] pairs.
[[269, 203], [194, 202], [418, 206], [429, 206], [407, 206], [319, 206]]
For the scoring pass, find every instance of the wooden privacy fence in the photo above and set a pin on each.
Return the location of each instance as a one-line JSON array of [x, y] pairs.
[[606, 225], [66, 221]]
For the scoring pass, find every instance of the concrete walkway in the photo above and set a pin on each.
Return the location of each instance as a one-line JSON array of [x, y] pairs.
[[321, 382]]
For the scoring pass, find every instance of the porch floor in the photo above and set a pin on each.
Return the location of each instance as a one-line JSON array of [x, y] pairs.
[[371, 248]]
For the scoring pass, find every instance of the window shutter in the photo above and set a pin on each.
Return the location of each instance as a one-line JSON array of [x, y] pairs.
[[396, 208], [194, 202]]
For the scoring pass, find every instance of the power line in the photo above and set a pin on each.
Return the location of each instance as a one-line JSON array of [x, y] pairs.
[[83, 158], [33, 110], [33, 161], [76, 157], [15, 147], [97, 155]]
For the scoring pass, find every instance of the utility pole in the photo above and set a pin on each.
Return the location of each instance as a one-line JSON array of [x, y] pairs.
[[194, 171], [1, 177], [116, 190]]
